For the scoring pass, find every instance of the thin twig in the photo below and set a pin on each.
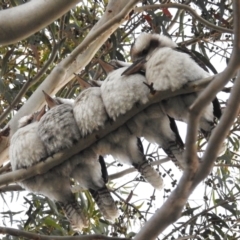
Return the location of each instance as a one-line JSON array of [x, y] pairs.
[[79, 57], [186, 8], [32, 81], [179, 11]]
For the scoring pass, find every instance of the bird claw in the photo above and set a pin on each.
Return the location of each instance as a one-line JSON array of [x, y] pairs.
[[110, 120], [150, 86]]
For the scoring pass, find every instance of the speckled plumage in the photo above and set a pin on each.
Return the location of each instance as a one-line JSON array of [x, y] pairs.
[[58, 129], [89, 112], [26, 149], [168, 68]]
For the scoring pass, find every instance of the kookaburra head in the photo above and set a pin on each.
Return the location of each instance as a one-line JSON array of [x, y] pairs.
[[146, 43], [53, 102], [34, 117]]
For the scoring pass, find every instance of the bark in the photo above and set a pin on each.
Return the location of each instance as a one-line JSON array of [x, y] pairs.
[[20, 233], [79, 58], [172, 208], [22, 21]]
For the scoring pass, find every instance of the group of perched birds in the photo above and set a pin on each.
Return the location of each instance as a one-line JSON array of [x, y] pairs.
[[157, 61]]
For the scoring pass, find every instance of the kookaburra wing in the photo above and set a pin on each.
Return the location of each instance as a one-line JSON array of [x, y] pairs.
[[57, 128], [91, 174], [168, 68], [27, 149], [88, 110]]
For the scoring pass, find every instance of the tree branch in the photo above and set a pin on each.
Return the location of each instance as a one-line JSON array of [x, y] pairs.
[[221, 131], [11, 188], [59, 157], [78, 59], [208, 95], [186, 8], [5, 168], [20, 233], [29, 83], [171, 209], [22, 21]]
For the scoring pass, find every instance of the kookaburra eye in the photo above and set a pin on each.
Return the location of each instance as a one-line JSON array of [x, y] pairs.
[[144, 51]]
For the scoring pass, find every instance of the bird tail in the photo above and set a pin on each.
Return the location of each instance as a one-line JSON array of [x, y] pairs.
[[150, 174], [175, 152], [105, 203], [75, 215]]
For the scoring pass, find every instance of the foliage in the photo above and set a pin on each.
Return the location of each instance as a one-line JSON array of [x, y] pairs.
[[214, 214]]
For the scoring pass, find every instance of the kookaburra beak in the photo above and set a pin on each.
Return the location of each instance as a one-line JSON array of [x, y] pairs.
[[107, 67], [136, 67], [95, 83], [50, 101], [40, 113], [87, 84], [83, 84]]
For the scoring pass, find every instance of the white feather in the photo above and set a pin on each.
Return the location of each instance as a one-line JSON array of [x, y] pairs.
[[89, 111], [169, 69], [120, 93]]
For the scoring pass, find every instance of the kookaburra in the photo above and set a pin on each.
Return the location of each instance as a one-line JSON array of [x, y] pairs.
[[121, 93], [91, 173], [169, 67], [59, 130], [90, 114], [27, 149]]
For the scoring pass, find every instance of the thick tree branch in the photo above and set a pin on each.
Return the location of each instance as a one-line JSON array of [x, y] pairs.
[[22, 21], [11, 188], [210, 92], [58, 158], [20, 233], [186, 8], [171, 209], [185, 224], [79, 58], [221, 131]]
